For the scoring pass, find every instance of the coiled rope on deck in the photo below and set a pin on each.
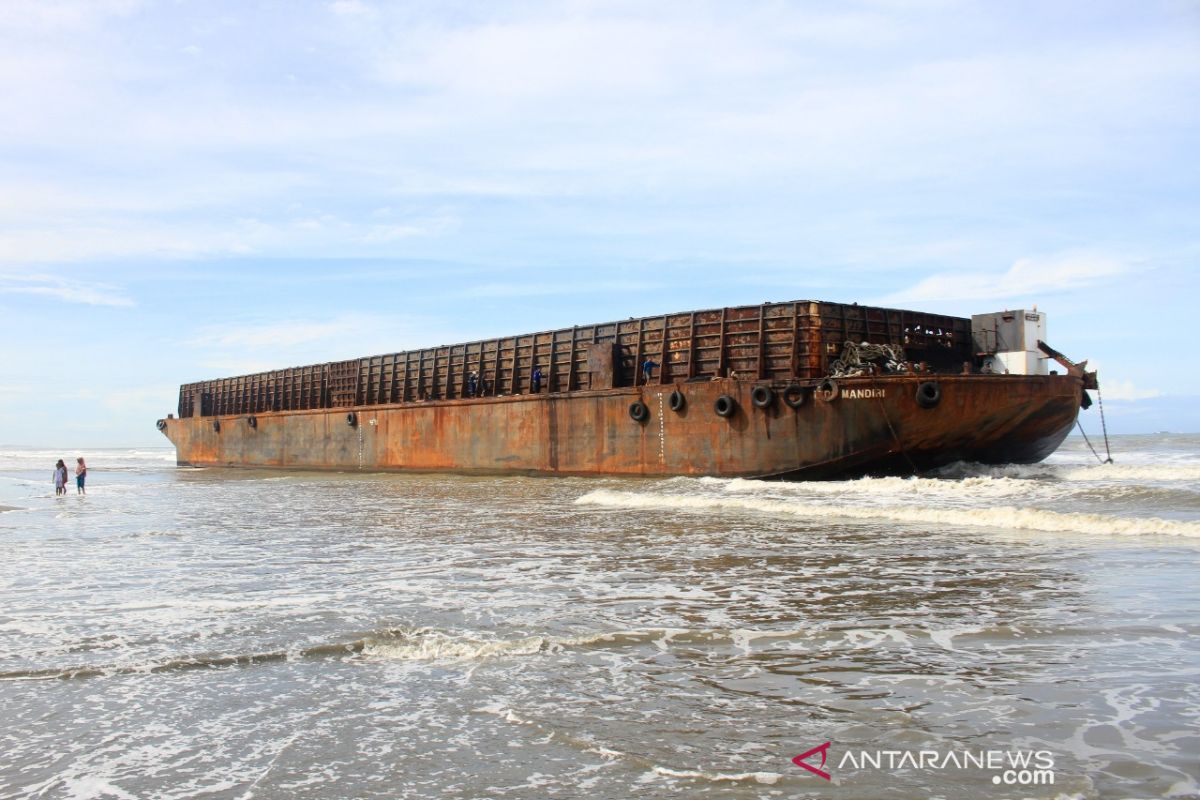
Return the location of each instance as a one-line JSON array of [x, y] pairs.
[[864, 358]]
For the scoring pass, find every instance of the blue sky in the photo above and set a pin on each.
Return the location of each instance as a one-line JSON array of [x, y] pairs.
[[194, 189]]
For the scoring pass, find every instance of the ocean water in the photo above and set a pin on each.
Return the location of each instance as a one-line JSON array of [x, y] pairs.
[[187, 633]]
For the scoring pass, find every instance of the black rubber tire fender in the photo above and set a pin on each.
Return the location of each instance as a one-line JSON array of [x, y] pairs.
[[217, 425], [794, 396], [352, 419], [678, 401], [828, 390], [161, 424], [638, 411], [762, 396], [929, 394], [725, 406], [252, 421]]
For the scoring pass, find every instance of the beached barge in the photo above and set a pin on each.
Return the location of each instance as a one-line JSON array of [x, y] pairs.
[[799, 390]]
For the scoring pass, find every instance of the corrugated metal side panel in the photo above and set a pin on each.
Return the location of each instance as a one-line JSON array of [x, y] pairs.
[[771, 342]]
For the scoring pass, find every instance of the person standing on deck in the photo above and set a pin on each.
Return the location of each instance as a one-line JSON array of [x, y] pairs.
[[537, 379], [80, 476], [648, 370]]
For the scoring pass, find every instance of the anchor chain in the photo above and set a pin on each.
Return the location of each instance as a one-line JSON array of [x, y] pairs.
[[1103, 427]]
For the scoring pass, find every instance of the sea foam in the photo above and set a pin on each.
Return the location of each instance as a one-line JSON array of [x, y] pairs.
[[1004, 517]]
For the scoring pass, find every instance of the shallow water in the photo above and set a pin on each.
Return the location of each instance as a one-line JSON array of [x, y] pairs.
[[180, 633]]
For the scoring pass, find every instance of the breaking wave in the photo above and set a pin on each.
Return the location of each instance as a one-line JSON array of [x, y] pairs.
[[419, 644], [109, 453], [959, 492], [181, 664], [969, 487], [768, 778], [433, 646], [124, 460], [1005, 517], [436, 646], [1161, 472]]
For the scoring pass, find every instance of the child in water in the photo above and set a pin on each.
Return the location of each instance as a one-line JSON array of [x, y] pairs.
[[60, 477]]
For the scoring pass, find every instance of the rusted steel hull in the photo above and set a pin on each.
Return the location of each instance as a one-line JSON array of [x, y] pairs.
[[874, 424]]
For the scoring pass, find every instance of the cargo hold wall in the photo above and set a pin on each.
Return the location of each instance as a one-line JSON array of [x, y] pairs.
[[775, 342]]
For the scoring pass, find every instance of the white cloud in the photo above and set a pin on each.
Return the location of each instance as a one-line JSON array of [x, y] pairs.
[[1026, 278], [225, 365], [39, 16], [277, 344], [797, 108], [1125, 390], [86, 241], [82, 238], [68, 291], [548, 289], [577, 55], [137, 399], [278, 333], [10, 390], [350, 8], [752, 90]]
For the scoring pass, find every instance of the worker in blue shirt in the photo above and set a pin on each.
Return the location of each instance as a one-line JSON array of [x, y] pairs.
[[648, 369]]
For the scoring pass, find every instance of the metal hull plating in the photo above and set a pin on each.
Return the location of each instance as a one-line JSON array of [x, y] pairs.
[[872, 425]]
